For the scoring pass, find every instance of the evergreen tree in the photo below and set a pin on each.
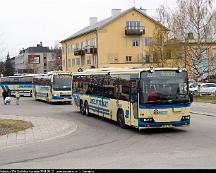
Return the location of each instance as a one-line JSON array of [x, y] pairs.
[[1, 68], [8, 68]]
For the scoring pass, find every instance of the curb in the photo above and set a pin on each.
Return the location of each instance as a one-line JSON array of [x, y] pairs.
[[206, 114], [69, 128]]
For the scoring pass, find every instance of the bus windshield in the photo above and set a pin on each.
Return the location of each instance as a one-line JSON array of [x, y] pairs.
[[164, 87], [62, 82]]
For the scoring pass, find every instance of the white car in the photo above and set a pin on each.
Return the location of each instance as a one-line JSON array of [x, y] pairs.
[[203, 88]]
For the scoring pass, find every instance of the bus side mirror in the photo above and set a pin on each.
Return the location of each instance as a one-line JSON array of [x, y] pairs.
[[191, 97]]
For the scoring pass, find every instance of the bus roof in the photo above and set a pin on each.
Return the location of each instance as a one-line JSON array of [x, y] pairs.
[[58, 72], [121, 70]]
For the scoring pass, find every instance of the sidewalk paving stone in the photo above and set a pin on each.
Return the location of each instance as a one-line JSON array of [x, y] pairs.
[[44, 129]]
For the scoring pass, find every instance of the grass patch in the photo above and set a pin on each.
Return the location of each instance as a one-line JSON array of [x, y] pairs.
[[205, 99], [12, 126]]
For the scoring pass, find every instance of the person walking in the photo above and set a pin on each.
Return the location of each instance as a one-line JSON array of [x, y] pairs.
[[4, 95], [17, 96]]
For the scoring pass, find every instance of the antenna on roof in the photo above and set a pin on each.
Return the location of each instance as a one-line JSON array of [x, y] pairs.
[[134, 3]]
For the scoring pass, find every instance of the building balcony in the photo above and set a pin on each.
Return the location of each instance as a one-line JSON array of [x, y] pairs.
[[134, 30], [91, 50], [79, 52]]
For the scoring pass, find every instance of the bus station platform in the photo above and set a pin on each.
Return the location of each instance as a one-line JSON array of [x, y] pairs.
[[44, 129]]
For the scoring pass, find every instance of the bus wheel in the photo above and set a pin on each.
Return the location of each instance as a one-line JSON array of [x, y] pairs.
[[48, 99], [82, 108], [121, 120], [87, 109]]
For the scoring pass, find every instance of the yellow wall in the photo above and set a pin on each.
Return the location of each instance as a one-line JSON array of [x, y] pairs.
[[70, 54], [113, 43]]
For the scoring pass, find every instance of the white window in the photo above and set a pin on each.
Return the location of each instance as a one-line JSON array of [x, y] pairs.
[[78, 61], [69, 63], [135, 42], [94, 42], [89, 43], [89, 60], [147, 41], [73, 62], [95, 60], [133, 24], [72, 48], [128, 58]]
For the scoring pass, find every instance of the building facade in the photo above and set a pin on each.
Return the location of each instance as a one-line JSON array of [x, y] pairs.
[[121, 40], [37, 59]]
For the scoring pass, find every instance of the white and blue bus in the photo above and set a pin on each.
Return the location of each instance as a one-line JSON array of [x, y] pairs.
[[21, 83], [126, 96], [53, 87]]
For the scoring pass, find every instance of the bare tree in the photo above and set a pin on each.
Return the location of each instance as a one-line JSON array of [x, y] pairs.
[[165, 52], [194, 23]]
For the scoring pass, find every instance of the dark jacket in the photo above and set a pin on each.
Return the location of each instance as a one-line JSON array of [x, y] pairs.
[[4, 94]]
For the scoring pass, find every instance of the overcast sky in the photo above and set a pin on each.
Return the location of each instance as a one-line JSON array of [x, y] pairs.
[[24, 23]]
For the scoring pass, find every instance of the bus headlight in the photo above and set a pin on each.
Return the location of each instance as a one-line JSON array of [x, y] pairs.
[[185, 117], [147, 120]]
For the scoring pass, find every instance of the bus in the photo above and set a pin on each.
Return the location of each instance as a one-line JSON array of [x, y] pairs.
[[21, 83], [53, 87], [124, 96]]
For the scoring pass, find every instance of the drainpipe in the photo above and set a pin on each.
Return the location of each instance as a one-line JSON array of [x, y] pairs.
[[97, 46], [66, 56]]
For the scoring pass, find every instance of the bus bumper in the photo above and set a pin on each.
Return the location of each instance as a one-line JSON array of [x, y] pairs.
[[145, 125]]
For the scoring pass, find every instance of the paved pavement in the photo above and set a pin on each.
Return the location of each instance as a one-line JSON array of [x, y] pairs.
[[44, 129], [206, 109]]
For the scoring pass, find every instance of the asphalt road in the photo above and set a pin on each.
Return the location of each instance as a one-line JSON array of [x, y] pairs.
[[99, 143]]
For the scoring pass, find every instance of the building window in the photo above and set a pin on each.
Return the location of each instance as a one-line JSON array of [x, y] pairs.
[[135, 42], [63, 50], [89, 43], [133, 24], [149, 58], [72, 48], [68, 49], [63, 63], [94, 42], [34, 59], [78, 61], [89, 60], [95, 60], [128, 58], [83, 45], [147, 41], [73, 62], [69, 63]]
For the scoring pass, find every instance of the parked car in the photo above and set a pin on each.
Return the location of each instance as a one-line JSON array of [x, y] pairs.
[[203, 89]]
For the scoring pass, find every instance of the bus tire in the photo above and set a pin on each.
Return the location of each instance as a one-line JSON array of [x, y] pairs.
[[82, 108], [35, 94], [48, 100], [87, 109], [121, 119]]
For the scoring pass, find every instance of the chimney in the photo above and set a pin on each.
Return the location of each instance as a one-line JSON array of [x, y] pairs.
[[143, 10], [115, 12], [93, 20]]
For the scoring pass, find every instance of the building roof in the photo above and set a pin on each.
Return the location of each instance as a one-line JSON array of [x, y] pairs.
[[38, 49], [107, 21]]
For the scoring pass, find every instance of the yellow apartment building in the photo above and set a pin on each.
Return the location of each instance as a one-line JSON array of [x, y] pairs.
[[122, 40]]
